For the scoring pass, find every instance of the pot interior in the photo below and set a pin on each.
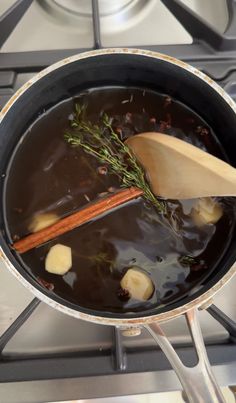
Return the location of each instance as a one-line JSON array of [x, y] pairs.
[[125, 70]]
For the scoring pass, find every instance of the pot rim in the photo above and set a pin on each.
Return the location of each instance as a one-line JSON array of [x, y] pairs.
[[160, 317]]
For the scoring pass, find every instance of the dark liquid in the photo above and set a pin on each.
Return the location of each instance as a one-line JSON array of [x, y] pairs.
[[47, 175]]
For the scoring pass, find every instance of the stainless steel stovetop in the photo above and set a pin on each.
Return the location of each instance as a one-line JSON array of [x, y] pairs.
[[53, 356]]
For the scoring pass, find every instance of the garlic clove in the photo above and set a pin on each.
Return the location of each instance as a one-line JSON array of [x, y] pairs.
[[138, 284], [41, 221], [59, 259]]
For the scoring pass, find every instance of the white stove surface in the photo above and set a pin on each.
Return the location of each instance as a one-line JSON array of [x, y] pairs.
[[58, 24]]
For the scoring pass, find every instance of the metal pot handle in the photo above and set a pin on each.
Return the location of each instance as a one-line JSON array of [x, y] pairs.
[[198, 382]]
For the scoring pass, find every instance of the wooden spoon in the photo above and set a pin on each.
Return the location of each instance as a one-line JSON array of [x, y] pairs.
[[179, 170]]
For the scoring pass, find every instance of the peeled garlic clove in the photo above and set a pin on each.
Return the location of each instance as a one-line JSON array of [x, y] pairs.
[[41, 221], [206, 211], [58, 259], [138, 284]]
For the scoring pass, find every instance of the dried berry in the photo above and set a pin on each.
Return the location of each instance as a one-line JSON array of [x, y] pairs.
[[119, 130], [204, 132], [163, 125], [199, 266], [198, 129], [123, 294], [128, 117], [152, 120], [102, 170], [168, 120], [167, 101], [45, 284]]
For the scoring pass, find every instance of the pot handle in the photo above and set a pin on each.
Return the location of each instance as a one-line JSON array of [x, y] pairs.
[[198, 382]]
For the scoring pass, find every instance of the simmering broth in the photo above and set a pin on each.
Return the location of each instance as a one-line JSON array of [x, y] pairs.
[[47, 175]]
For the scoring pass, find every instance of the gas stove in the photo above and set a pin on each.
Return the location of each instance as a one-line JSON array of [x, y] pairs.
[[45, 355]]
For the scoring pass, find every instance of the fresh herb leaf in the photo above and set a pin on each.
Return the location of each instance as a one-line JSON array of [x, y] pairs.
[[104, 143], [187, 260]]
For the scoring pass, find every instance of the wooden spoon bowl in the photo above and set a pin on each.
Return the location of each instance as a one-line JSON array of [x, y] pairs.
[[179, 170]]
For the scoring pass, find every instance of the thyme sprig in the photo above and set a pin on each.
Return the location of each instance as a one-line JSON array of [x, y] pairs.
[[101, 141]]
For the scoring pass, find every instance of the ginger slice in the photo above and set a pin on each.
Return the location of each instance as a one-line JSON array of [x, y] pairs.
[[137, 283], [59, 259]]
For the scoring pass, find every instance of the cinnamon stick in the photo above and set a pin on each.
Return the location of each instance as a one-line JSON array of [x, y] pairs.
[[76, 219]]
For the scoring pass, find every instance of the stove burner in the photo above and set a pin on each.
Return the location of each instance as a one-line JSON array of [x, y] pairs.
[[121, 9], [83, 7]]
